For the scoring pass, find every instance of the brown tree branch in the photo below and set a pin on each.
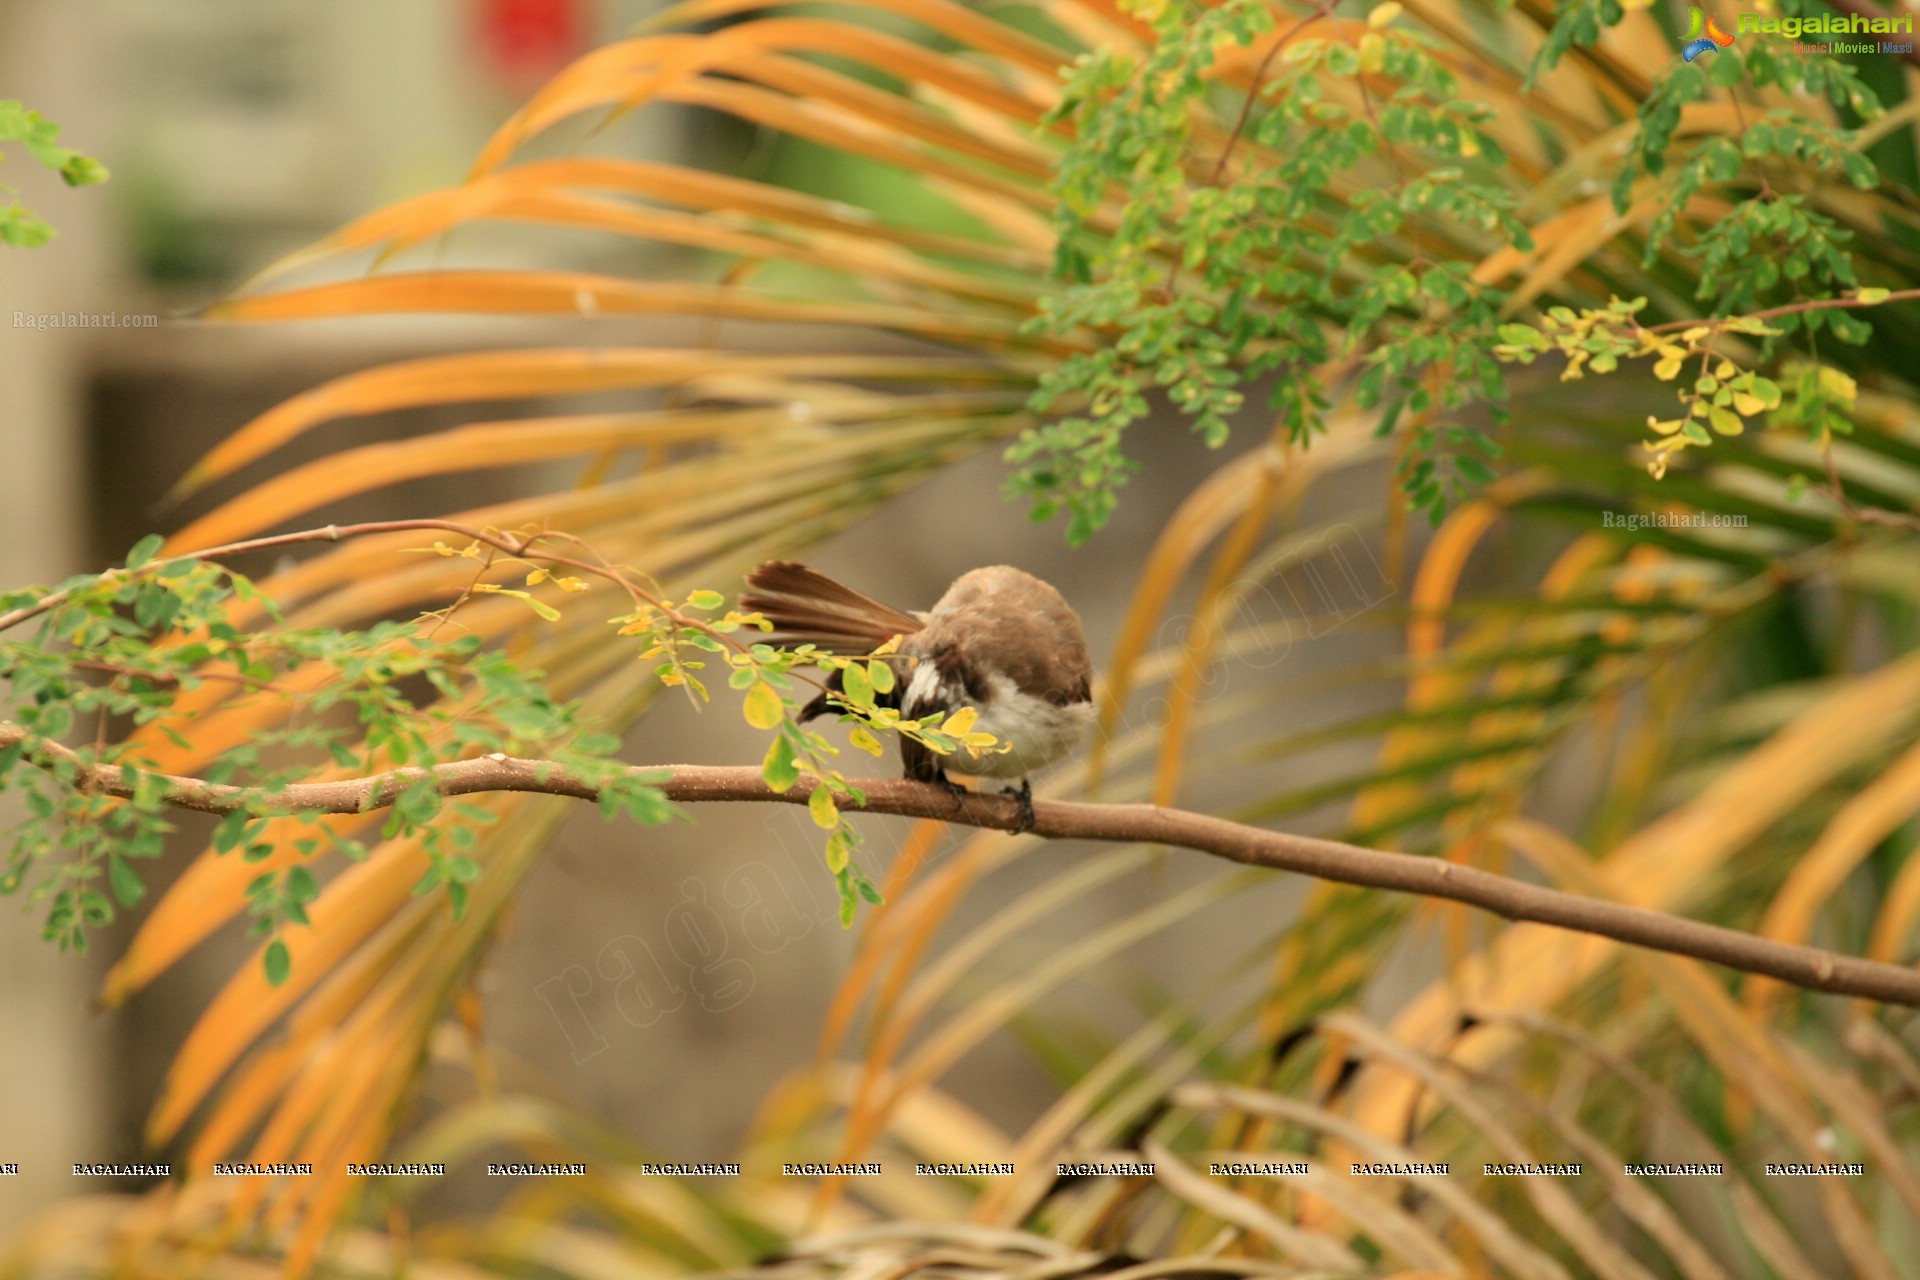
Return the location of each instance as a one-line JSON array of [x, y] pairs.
[[1809, 967]]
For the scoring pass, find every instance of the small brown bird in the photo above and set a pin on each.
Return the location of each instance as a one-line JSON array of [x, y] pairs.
[[1000, 641]]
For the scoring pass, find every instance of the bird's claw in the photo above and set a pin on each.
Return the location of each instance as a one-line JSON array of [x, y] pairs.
[[1024, 794], [955, 791]]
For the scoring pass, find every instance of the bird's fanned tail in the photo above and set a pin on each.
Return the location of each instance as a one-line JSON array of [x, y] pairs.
[[807, 607]]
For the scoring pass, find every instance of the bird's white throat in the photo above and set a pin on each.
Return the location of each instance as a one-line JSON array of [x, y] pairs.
[[1036, 731]]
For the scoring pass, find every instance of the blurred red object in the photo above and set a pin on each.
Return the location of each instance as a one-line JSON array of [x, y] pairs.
[[526, 41]]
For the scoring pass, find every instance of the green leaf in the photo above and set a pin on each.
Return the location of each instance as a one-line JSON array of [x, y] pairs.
[[21, 229], [706, 600], [278, 963], [301, 886], [83, 171], [126, 883], [848, 904], [155, 607], [233, 829], [144, 551], [779, 768], [857, 685]]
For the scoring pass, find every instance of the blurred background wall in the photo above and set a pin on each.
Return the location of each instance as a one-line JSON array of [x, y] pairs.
[[50, 1048], [234, 129], [238, 129]]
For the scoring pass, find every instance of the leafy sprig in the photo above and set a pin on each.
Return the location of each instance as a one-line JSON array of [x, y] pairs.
[[40, 136], [1202, 288], [122, 649], [1727, 388], [1336, 250]]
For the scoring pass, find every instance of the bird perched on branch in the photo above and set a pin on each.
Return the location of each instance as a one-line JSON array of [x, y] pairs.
[[1000, 641]]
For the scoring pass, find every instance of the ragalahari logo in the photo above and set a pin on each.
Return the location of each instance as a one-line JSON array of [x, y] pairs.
[[1697, 43]]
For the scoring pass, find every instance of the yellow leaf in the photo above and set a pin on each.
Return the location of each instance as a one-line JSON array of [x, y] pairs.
[[1383, 14], [763, 707], [545, 610], [957, 724], [1668, 369], [839, 850], [1373, 52], [821, 808], [537, 576], [573, 584], [1871, 296], [865, 740], [1748, 404], [1838, 385]]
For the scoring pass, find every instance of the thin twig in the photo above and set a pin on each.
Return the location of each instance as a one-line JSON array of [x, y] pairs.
[[1259, 78], [1814, 304], [166, 679], [1837, 489], [1246, 111], [518, 545], [1809, 967], [512, 544]]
